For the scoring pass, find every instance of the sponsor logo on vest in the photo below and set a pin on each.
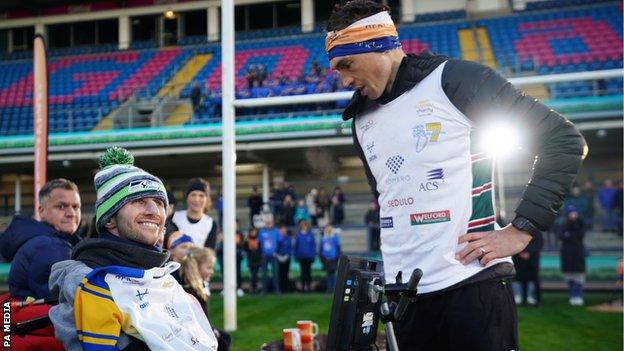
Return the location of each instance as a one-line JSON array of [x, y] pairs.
[[370, 150], [367, 125], [386, 222], [406, 201], [424, 108], [394, 163], [398, 179], [434, 177], [426, 133], [430, 217], [428, 186], [139, 185], [434, 174]]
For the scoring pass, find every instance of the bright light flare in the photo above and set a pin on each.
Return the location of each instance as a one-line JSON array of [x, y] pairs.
[[501, 139]]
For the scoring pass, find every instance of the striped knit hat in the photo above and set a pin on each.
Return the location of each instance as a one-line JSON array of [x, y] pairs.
[[119, 182]]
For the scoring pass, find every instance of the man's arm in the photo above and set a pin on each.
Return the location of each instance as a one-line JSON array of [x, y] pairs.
[[42, 253], [484, 96]]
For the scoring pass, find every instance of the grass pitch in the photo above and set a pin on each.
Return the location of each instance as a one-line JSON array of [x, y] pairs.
[[553, 326]]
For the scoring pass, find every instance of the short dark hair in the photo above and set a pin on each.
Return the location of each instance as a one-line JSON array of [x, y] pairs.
[[354, 10], [58, 183]]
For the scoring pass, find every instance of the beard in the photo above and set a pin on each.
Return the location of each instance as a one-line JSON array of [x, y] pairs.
[[133, 231]]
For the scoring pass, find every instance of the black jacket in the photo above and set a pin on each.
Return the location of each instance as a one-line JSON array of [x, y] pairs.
[[572, 247], [477, 90]]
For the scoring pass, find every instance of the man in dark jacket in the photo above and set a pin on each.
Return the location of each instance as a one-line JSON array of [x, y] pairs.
[[34, 246], [417, 120]]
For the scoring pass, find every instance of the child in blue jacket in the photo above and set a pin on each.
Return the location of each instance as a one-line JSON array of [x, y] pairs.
[[330, 252], [284, 252], [305, 252], [269, 237]]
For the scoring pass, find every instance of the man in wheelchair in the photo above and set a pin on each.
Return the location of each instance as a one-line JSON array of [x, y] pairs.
[[116, 293]]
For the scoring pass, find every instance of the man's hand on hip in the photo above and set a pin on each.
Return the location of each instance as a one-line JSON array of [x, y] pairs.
[[490, 245]]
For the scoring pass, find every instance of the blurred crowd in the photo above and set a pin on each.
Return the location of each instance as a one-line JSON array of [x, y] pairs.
[[587, 207], [262, 83]]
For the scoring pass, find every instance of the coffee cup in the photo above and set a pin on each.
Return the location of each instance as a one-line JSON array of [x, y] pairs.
[[308, 330], [292, 339]]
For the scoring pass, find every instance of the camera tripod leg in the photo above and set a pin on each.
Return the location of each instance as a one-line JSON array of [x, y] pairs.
[[389, 328]]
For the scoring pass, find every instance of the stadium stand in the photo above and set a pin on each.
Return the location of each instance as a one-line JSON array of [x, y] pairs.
[[85, 88]]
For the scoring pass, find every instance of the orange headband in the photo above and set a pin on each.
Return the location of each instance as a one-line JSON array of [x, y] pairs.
[[359, 34]]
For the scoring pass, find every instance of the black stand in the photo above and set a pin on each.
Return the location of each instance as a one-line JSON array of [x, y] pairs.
[[392, 312]]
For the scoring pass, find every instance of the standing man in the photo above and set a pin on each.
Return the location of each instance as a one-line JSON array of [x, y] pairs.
[[194, 221], [415, 119], [269, 238], [254, 202], [34, 246]]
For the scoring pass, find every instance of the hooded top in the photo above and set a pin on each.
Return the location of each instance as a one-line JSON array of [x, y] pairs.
[[33, 247]]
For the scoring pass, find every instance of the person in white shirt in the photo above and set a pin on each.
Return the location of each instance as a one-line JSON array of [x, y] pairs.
[[194, 221]]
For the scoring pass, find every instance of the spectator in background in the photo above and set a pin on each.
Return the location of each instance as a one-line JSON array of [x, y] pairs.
[[322, 207], [315, 69], [254, 257], [196, 95], [284, 252], [251, 76], [371, 219], [194, 221], [219, 208], [301, 212], [194, 276], [590, 193], [261, 74], [240, 254], [330, 252], [196, 269], [277, 194], [337, 202], [178, 245], [617, 208], [527, 285], [311, 199], [34, 246], [305, 252], [254, 202], [286, 213], [269, 237], [290, 190], [580, 201], [606, 199], [573, 254]]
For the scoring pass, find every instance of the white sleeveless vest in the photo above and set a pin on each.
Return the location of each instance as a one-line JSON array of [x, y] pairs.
[[197, 231], [434, 185]]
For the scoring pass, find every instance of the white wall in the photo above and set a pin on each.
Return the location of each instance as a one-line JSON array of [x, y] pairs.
[[427, 6]]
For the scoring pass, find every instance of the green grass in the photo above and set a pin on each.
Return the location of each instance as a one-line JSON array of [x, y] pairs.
[[553, 326]]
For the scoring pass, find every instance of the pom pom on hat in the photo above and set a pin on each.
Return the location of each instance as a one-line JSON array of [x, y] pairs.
[[116, 156]]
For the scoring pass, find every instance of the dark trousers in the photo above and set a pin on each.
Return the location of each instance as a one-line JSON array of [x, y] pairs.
[[284, 282], [239, 280], [268, 261], [254, 278], [306, 276], [479, 317]]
